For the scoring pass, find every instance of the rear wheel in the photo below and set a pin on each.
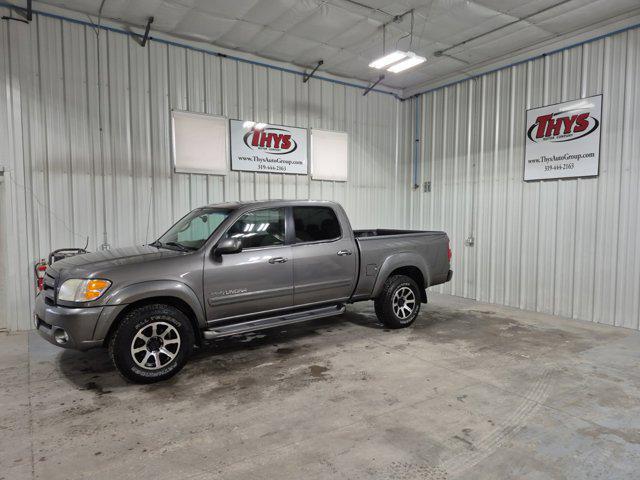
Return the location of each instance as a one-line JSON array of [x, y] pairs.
[[398, 304], [152, 343]]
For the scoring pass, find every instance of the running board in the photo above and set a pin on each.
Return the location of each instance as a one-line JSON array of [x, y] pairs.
[[270, 322]]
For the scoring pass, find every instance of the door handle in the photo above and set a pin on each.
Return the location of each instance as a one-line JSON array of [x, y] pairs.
[[344, 252], [277, 260]]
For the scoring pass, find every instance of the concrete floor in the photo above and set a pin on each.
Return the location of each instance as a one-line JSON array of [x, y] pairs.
[[472, 391]]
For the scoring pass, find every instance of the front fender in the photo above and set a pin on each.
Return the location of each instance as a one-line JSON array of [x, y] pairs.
[[118, 299], [399, 260]]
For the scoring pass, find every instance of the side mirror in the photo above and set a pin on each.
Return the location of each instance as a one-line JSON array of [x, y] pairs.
[[228, 246]]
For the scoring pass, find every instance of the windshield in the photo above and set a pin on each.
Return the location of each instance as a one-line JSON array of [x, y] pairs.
[[192, 231]]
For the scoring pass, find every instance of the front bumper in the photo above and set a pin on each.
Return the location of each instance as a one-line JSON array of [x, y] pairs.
[[78, 323]]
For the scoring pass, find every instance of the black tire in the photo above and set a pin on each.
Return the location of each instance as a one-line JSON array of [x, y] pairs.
[[163, 323], [384, 304]]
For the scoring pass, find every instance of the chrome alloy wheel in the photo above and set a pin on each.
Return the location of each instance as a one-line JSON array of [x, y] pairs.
[[404, 302], [155, 345]]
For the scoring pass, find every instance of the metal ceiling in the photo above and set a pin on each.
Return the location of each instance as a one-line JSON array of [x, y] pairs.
[[347, 34]]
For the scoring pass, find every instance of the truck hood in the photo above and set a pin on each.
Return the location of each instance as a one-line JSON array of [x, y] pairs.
[[107, 259]]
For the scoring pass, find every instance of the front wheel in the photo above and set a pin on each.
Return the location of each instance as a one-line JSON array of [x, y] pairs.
[[152, 343], [398, 304]]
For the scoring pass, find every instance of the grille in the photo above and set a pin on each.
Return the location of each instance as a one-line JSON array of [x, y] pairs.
[[49, 287]]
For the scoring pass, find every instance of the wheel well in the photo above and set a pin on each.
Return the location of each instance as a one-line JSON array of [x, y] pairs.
[[173, 301], [415, 274]]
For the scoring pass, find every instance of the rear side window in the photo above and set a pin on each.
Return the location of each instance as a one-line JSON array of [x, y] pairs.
[[314, 224], [262, 228]]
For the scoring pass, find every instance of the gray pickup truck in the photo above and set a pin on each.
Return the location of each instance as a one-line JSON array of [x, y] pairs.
[[232, 268]]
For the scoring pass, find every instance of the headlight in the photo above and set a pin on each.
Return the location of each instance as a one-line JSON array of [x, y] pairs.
[[82, 290]]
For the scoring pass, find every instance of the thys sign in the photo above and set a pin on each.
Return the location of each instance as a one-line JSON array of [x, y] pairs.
[[563, 140], [262, 147]]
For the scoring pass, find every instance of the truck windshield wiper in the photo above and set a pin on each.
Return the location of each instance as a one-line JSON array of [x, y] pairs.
[[184, 248]]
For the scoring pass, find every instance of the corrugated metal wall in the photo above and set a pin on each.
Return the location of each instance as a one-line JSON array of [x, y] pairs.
[[84, 119], [564, 247], [85, 122], [3, 313]]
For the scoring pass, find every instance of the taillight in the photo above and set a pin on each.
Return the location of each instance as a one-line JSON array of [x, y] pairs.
[[41, 267], [449, 251]]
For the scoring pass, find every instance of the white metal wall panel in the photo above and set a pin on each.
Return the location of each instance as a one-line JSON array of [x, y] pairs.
[[3, 259], [17, 75], [85, 116], [627, 298], [564, 247]]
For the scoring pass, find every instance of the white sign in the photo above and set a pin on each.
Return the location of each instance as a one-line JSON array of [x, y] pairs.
[[200, 143], [563, 140], [329, 155], [261, 147]]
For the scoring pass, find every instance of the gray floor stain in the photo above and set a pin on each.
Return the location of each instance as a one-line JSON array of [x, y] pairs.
[[469, 445], [318, 371], [93, 386], [628, 436], [285, 351]]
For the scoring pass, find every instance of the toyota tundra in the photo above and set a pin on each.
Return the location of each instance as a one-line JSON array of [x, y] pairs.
[[232, 268]]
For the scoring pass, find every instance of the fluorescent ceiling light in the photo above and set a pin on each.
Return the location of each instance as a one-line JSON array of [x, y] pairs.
[[387, 60], [248, 124], [260, 126], [411, 61]]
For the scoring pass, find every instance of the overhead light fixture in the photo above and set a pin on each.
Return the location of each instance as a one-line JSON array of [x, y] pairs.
[[411, 61], [399, 60], [388, 59], [260, 126], [248, 124]]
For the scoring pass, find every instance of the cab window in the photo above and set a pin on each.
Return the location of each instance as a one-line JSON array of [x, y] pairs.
[[262, 228], [314, 224]]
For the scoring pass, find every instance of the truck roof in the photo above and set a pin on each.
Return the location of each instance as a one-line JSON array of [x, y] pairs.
[[274, 203]]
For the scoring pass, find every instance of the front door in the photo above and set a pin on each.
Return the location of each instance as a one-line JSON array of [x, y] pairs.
[[260, 277], [324, 259]]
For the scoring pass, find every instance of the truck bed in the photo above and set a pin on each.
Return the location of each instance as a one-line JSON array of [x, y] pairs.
[[383, 232], [377, 245]]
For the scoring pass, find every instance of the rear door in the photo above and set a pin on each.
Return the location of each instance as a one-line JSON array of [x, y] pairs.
[[257, 279], [324, 258]]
